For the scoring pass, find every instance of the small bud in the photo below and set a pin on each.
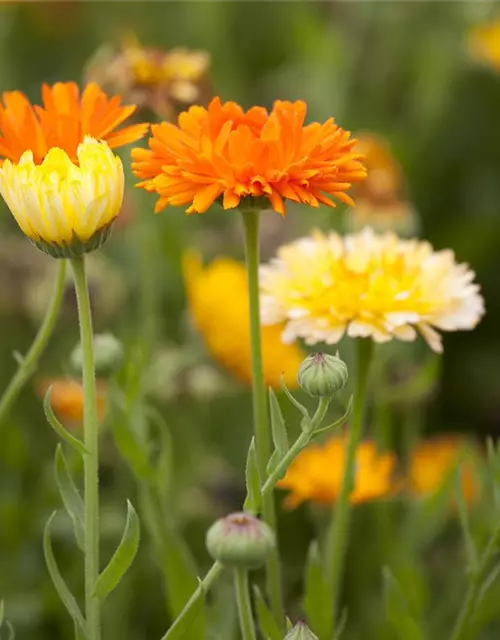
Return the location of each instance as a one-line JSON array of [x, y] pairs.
[[240, 540], [322, 375], [108, 355], [301, 632]]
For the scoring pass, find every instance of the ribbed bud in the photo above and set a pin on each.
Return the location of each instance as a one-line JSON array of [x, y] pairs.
[[301, 632], [322, 375], [240, 540], [108, 355]]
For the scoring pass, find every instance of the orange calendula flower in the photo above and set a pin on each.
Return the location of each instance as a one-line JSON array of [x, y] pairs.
[[218, 304], [316, 474], [484, 44], [433, 462], [66, 398], [64, 120], [226, 152]]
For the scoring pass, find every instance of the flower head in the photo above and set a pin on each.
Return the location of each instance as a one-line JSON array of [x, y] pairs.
[[218, 304], [226, 152], [433, 462], [67, 399], [484, 44], [317, 472], [384, 179], [151, 77], [368, 285], [65, 208], [63, 121]]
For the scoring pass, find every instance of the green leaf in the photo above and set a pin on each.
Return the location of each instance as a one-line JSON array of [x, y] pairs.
[[59, 429], [470, 547], [12, 633], [2, 612], [318, 615], [273, 462], [123, 557], [182, 625], [165, 462], [339, 422], [397, 609], [70, 496], [341, 625], [254, 496], [132, 450], [64, 593], [268, 627], [278, 427], [294, 401]]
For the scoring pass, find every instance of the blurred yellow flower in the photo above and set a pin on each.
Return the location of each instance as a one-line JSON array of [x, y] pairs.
[[65, 208], [218, 304], [367, 285], [66, 398], [433, 461], [316, 474], [152, 77], [484, 44]]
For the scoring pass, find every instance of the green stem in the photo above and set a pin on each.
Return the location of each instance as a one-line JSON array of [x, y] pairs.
[[29, 362], [466, 614], [244, 607], [260, 407], [91, 461], [301, 442], [339, 528], [203, 588]]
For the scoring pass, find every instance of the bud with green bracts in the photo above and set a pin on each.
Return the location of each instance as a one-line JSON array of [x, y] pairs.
[[322, 375]]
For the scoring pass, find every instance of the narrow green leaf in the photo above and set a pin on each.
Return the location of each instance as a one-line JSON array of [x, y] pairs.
[[273, 462], [341, 625], [70, 496], [278, 427], [64, 593], [397, 609], [2, 612], [58, 427], [123, 557], [267, 625], [12, 633], [185, 623], [340, 421], [318, 615], [294, 401], [133, 451], [470, 547], [254, 496], [165, 461]]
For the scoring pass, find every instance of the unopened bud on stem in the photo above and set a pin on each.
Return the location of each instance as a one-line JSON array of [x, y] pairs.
[[322, 375], [301, 632]]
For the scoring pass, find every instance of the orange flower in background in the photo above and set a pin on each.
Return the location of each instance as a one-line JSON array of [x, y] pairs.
[[226, 152], [384, 181], [317, 472], [63, 121], [67, 399], [484, 44], [433, 462], [218, 304]]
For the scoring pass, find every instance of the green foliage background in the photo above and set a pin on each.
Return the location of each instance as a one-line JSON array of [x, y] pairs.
[[399, 69]]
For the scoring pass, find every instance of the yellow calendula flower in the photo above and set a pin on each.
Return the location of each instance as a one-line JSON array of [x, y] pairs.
[[317, 472], [65, 208], [484, 44], [433, 462], [218, 304], [370, 286]]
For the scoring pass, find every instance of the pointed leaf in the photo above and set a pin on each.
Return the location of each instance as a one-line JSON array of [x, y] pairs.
[[340, 421], [280, 437], [58, 427], [318, 615], [2, 612], [274, 461], [64, 593], [133, 451], [254, 496], [165, 462], [268, 627], [70, 496], [123, 557], [398, 611], [183, 625], [294, 401]]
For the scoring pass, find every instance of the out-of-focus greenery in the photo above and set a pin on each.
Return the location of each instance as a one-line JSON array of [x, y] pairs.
[[399, 69]]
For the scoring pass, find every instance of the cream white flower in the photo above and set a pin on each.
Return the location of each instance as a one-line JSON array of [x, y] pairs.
[[368, 285], [65, 208]]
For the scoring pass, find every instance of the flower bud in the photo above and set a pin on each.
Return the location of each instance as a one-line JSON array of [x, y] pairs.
[[322, 375], [240, 540], [301, 632], [108, 355]]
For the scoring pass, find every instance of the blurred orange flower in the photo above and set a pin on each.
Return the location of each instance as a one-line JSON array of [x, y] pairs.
[[316, 474], [433, 462], [218, 304], [484, 44], [63, 121], [226, 152], [67, 398]]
